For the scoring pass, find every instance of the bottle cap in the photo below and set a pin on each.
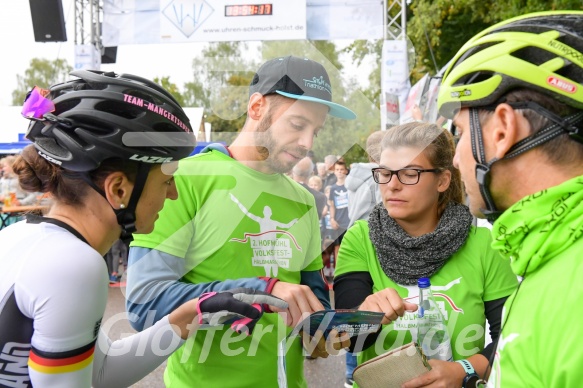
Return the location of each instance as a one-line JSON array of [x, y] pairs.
[[424, 283]]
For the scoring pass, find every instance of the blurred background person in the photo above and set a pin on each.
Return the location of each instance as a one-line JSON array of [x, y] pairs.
[[363, 191], [301, 173], [329, 178]]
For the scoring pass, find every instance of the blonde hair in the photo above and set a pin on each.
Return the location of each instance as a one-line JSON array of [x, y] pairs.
[[8, 160], [439, 148], [317, 179]]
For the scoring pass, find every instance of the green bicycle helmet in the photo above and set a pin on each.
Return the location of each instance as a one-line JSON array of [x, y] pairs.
[[542, 51]]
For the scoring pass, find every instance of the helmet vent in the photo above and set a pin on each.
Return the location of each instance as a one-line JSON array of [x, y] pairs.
[[475, 77], [120, 109], [535, 55], [473, 51], [66, 105]]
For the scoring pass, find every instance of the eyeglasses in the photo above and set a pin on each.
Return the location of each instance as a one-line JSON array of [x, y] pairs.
[[36, 104], [407, 176]]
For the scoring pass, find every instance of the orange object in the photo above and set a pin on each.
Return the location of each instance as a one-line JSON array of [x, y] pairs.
[[13, 200]]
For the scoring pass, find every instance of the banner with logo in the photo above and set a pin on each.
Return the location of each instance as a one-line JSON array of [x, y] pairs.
[[87, 57], [344, 19], [179, 21], [395, 74]]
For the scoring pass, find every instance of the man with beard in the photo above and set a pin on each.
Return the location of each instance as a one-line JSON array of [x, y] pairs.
[[239, 219], [514, 93]]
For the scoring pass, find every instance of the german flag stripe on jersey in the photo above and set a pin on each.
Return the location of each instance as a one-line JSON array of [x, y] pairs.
[[63, 362]]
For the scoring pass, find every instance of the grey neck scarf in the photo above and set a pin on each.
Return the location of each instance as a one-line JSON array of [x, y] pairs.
[[405, 259]]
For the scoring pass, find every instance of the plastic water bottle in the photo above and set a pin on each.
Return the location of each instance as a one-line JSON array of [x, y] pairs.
[[432, 333]]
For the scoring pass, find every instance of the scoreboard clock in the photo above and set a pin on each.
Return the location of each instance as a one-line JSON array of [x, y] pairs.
[[249, 9]]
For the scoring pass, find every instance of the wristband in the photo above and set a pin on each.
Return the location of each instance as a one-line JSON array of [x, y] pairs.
[[471, 378], [270, 284]]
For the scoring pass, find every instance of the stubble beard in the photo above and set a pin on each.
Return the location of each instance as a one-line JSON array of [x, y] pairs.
[[268, 149]]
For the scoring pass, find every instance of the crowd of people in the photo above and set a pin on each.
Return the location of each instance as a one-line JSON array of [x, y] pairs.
[[228, 248]]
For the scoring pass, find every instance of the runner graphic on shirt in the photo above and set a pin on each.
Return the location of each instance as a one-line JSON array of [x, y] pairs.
[[269, 251], [409, 320]]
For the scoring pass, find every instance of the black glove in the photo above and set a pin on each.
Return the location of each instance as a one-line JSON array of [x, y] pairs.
[[243, 306]]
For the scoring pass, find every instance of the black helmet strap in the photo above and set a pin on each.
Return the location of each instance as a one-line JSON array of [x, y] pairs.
[[126, 218], [482, 167]]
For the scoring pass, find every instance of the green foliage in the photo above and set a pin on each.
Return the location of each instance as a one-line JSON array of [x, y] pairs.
[[445, 25], [42, 73], [222, 75], [356, 154], [171, 87], [441, 27], [519, 7], [221, 79]]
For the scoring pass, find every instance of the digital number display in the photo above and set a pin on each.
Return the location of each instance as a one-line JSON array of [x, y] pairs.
[[249, 10]]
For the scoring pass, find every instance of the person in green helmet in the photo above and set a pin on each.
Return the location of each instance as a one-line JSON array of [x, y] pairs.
[[515, 96]]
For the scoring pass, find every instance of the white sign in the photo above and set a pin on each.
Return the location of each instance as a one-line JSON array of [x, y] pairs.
[[87, 57], [344, 19], [395, 71], [174, 21]]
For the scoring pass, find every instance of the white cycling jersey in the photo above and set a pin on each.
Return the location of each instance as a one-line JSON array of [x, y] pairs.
[[53, 292]]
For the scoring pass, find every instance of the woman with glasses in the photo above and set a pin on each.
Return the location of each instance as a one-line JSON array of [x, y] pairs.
[[422, 229], [105, 147]]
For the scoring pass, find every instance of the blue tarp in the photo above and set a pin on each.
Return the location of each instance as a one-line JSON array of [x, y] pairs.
[[13, 148]]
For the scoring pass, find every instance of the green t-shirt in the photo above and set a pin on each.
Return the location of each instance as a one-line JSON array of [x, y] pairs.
[[537, 348], [230, 222], [473, 275], [540, 342]]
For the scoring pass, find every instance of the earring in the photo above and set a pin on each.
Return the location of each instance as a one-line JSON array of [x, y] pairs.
[[122, 206]]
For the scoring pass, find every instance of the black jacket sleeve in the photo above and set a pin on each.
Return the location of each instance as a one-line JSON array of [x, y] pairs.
[[350, 290], [493, 311]]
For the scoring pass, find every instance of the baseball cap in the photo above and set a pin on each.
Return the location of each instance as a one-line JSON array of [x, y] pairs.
[[300, 79]]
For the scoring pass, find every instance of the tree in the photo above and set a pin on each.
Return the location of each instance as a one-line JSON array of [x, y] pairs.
[[438, 29], [220, 84], [42, 73], [171, 87], [443, 26]]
